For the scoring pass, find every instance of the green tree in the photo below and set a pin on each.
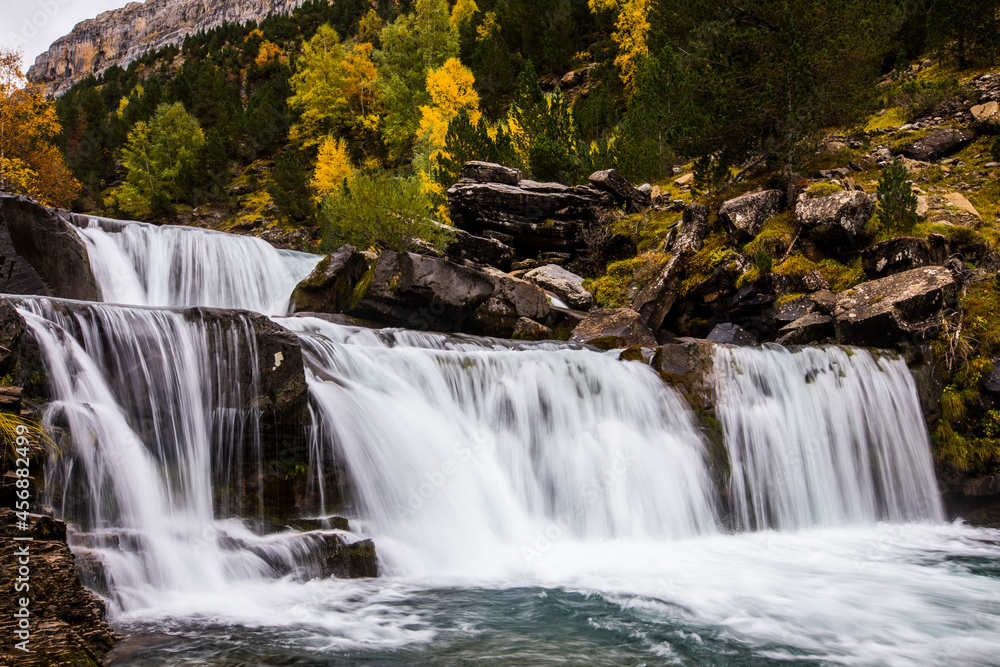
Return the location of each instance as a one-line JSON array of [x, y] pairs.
[[970, 24], [412, 45], [289, 187], [154, 158], [377, 210], [897, 205]]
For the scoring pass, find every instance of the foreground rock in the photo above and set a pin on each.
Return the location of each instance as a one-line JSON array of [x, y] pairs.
[[67, 624], [745, 215], [330, 287], [613, 329], [40, 254], [902, 307], [565, 284], [426, 293], [903, 253], [836, 220]]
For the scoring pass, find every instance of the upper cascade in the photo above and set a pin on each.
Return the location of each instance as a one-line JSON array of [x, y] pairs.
[[121, 36], [145, 265]]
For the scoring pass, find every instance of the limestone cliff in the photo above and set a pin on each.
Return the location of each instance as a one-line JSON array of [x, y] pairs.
[[121, 36]]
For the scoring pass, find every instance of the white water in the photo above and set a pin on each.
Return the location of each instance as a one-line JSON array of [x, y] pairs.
[[491, 471], [147, 265], [823, 437]]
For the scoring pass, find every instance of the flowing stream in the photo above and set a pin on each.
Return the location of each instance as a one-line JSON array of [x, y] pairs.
[[532, 503]]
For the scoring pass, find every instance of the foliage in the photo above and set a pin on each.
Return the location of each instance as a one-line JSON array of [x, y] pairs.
[[897, 205], [971, 25], [333, 168], [154, 158], [289, 188], [631, 35], [378, 210], [332, 87], [467, 140], [30, 162]]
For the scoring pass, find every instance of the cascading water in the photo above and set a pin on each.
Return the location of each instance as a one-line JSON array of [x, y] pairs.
[[147, 265], [532, 504], [822, 437], [464, 451]]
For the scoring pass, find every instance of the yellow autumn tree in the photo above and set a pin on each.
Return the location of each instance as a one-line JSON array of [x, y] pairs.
[[462, 13], [333, 167], [451, 88], [30, 162], [631, 34], [334, 85]]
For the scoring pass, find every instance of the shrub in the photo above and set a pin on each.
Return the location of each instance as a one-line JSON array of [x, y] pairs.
[[377, 210]]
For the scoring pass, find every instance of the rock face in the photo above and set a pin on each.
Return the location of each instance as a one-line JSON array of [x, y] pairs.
[[613, 183], [40, 254], [938, 144], [466, 247], [896, 255], [426, 293], [900, 307], [836, 220], [612, 329], [66, 621], [565, 284], [745, 215], [731, 334], [330, 287], [489, 172], [121, 36], [530, 217]]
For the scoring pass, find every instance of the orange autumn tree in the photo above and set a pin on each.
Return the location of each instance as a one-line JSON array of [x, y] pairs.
[[30, 162]]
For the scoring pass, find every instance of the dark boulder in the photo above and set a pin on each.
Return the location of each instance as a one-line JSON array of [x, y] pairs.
[[489, 172], [330, 287], [612, 329], [728, 333], [688, 365], [625, 193], [938, 144], [811, 328], [338, 558], [902, 307], [528, 329], [427, 293], [466, 247], [903, 253], [835, 220], [41, 254], [745, 215]]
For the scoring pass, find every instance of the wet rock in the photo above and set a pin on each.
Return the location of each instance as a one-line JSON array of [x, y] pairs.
[[338, 558], [731, 334], [66, 621], [896, 255], [489, 172], [511, 299], [612, 329], [982, 486], [528, 329], [938, 144], [688, 365], [567, 285], [41, 254], [330, 287], [613, 183], [809, 329], [745, 215], [902, 307], [835, 220]]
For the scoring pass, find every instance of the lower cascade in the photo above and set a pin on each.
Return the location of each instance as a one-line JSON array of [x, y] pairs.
[[520, 494]]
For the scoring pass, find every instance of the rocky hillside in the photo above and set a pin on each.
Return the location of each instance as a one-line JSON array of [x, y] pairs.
[[121, 36]]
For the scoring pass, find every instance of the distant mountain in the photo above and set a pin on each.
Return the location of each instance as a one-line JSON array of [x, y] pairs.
[[121, 36]]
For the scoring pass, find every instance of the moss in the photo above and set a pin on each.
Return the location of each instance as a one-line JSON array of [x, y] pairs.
[[774, 237], [611, 290], [888, 119], [840, 276], [824, 189], [788, 298], [797, 266], [714, 252], [749, 277], [362, 286]]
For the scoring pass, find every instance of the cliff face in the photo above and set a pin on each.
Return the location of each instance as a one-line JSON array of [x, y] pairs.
[[120, 36]]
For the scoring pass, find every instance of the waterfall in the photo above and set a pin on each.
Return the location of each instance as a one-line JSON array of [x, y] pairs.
[[147, 265], [822, 437], [465, 450]]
